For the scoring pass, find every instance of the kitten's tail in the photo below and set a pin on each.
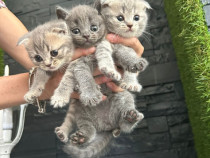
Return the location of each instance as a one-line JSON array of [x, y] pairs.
[[96, 148]]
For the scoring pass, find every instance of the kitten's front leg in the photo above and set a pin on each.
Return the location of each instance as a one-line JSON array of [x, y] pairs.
[[39, 81], [105, 61], [90, 94], [130, 82], [129, 60], [62, 94]]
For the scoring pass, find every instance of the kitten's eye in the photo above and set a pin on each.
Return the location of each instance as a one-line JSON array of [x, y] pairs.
[[38, 58], [76, 31], [120, 18], [54, 53], [136, 18], [94, 28]]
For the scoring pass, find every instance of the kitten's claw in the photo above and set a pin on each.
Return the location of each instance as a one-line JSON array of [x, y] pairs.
[[110, 73], [134, 87], [78, 138], [91, 98], [140, 65], [59, 101], [133, 116], [61, 135]]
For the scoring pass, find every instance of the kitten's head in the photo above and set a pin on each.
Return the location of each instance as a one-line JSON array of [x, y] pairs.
[[127, 18], [49, 45], [86, 26]]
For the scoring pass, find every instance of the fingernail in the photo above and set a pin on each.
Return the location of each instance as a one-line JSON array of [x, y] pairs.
[[104, 97], [92, 49]]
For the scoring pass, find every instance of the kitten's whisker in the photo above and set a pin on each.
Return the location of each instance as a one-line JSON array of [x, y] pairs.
[[146, 38], [145, 32]]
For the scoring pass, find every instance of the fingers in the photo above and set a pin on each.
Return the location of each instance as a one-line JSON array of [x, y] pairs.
[[102, 79], [114, 87], [130, 42], [83, 52]]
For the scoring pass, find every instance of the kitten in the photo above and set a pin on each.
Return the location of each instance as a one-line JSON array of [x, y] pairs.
[[87, 29], [127, 18], [96, 126], [50, 48]]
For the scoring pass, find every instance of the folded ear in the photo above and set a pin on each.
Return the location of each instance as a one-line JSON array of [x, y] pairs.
[[106, 2], [24, 39], [146, 5], [61, 13]]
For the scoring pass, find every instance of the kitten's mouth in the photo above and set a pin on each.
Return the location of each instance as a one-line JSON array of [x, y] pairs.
[[129, 30]]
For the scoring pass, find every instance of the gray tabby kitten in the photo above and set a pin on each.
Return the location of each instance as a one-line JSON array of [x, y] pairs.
[[50, 48], [127, 18], [96, 124]]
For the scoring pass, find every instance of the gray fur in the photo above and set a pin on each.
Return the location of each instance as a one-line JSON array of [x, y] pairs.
[[116, 112], [124, 56], [83, 18], [41, 41]]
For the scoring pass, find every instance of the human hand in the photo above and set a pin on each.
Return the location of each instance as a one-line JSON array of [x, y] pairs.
[[130, 42]]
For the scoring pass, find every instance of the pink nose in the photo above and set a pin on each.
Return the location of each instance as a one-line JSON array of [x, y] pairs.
[[130, 26]]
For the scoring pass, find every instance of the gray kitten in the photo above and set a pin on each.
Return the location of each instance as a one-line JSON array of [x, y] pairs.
[[87, 29], [95, 125], [127, 18], [50, 48]]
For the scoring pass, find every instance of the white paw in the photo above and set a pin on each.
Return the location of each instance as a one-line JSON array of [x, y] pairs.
[[111, 73], [62, 136], [31, 96], [91, 98], [134, 87], [59, 101]]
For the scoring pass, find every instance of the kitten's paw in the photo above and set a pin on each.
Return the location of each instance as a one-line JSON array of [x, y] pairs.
[[140, 65], [110, 73], [133, 116], [62, 136], [31, 96], [59, 101], [134, 87], [78, 138], [91, 98]]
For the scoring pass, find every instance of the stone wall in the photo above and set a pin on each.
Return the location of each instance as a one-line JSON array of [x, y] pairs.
[[206, 9], [164, 133]]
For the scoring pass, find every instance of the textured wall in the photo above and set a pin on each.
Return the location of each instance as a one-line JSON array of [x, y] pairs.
[[164, 133]]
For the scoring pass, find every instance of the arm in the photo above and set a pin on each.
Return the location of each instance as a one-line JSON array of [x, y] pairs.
[[11, 29]]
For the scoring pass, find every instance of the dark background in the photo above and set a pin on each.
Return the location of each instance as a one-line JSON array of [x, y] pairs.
[[164, 133]]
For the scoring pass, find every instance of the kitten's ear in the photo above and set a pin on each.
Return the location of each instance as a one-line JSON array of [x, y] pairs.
[[61, 13], [146, 5], [24, 39], [59, 31], [105, 3]]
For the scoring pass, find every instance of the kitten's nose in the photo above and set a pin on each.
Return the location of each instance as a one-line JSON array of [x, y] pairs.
[[130, 26], [48, 65], [86, 36]]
